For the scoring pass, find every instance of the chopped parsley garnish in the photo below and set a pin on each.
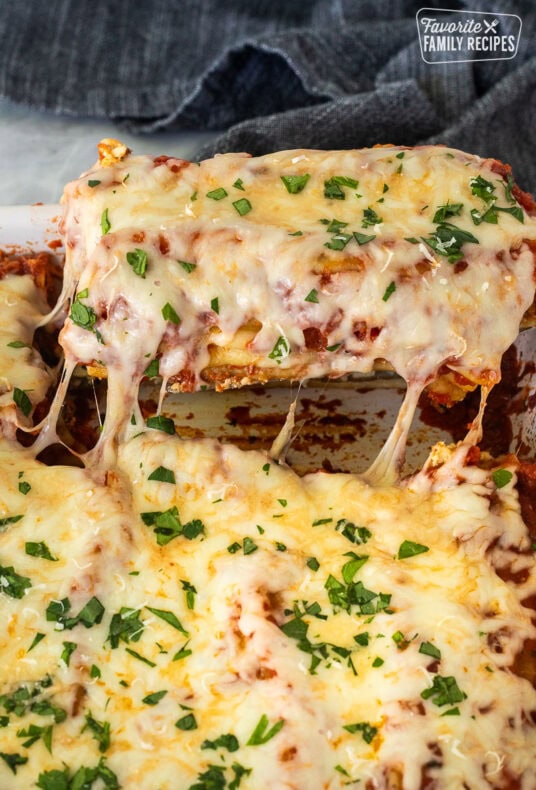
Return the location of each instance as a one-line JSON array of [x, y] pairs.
[[94, 672], [243, 206], [319, 521], [22, 401], [17, 344], [296, 233], [389, 291], [363, 238], [378, 662], [451, 712], [410, 549], [501, 477], [355, 594], [126, 626], [138, 261], [215, 778], [35, 641], [313, 563], [186, 723], [83, 779], [362, 639], [446, 211], [225, 741], [13, 760], [167, 525], [12, 583], [33, 733], [233, 547], [280, 546], [312, 296], [39, 550], [370, 218], [169, 618], [184, 652], [444, 691], [350, 568], [249, 546], [24, 487], [190, 591], [239, 184], [68, 650], [105, 222], [100, 731], [141, 658], [510, 183], [188, 267], [170, 314], [400, 155], [215, 305], [280, 350], [154, 698], [428, 649], [9, 520], [447, 240], [385, 188], [217, 194], [367, 731], [91, 614], [295, 184], [411, 239], [152, 370], [93, 183], [334, 226], [82, 315], [482, 189], [160, 423], [261, 734], [352, 532], [338, 241], [265, 469], [162, 475], [491, 216]]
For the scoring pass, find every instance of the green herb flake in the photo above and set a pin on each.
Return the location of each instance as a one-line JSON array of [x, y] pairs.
[[141, 658], [411, 239], [482, 189], [249, 546], [162, 475], [191, 592], [100, 731], [215, 305], [12, 583], [154, 698], [138, 260], [170, 314], [39, 550], [295, 184], [410, 549], [82, 315], [225, 741], [217, 194], [22, 401], [362, 639], [186, 723], [389, 291], [280, 350], [68, 650], [261, 734], [363, 238], [239, 184], [501, 477], [338, 241], [334, 347], [313, 563], [13, 760], [368, 732], [169, 618], [280, 546], [444, 691], [378, 662], [428, 649], [448, 210], [93, 183], [24, 487], [152, 370], [184, 652], [160, 423], [95, 672], [105, 222], [451, 712], [312, 296], [188, 267], [18, 344], [370, 218], [400, 155], [35, 641], [385, 188], [233, 548], [243, 206], [265, 469], [126, 626]]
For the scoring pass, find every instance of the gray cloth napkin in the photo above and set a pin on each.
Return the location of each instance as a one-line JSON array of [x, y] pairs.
[[272, 74]]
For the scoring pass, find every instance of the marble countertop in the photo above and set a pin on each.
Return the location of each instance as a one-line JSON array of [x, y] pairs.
[[41, 151]]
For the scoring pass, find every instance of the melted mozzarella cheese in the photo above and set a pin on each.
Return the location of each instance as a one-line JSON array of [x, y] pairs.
[[22, 306], [227, 656], [173, 259]]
